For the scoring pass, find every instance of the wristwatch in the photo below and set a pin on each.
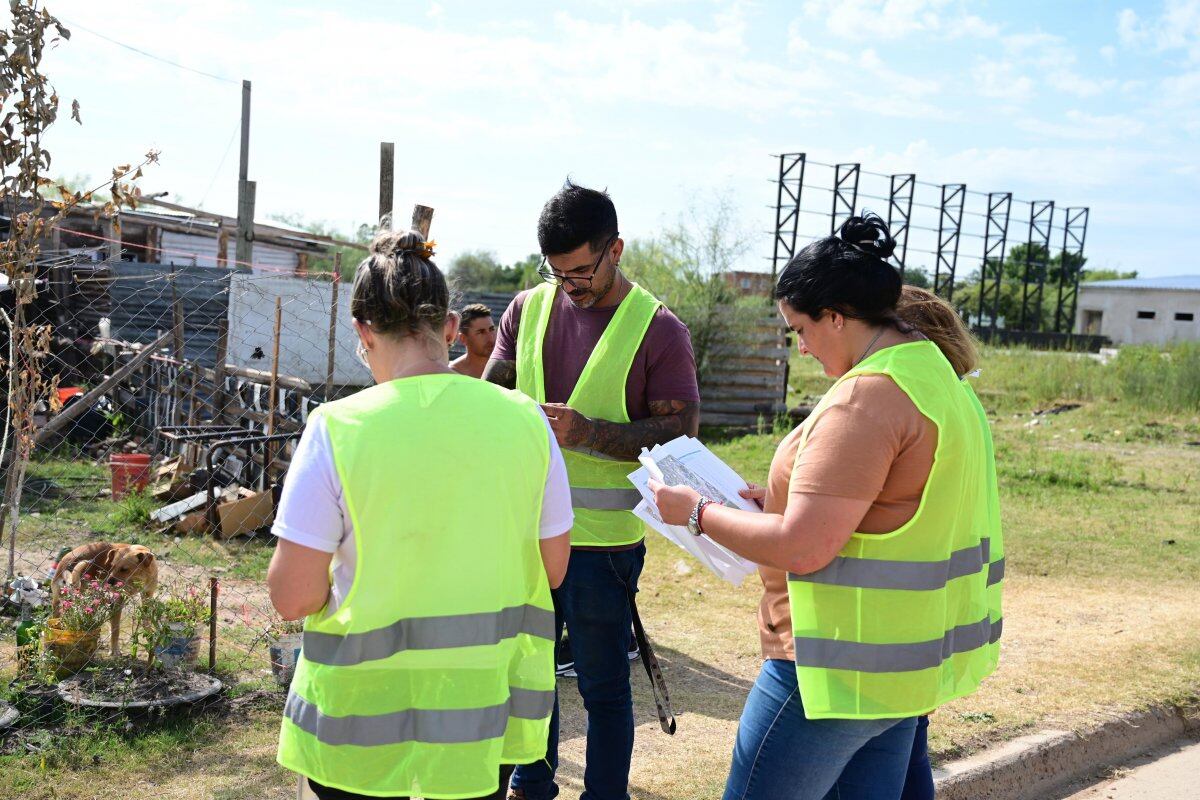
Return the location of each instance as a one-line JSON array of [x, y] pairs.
[[693, 524]]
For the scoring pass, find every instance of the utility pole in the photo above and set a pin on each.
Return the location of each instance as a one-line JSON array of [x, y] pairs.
[[246, 189]]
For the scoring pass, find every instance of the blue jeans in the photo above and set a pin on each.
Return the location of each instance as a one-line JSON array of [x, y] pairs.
[[594, 604], [918, 784], [781, 755]]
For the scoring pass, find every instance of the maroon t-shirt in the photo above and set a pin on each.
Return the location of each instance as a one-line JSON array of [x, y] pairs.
[[663, 369]]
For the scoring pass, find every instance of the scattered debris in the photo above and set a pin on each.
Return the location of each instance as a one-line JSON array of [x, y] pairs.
[[1058, 409]]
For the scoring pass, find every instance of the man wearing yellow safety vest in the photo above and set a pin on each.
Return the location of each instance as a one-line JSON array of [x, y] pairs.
[[614, 372]]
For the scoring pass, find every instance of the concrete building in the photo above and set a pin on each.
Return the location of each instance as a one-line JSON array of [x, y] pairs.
[[1141, 310]]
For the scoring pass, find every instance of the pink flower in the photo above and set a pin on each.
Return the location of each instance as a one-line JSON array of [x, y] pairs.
[[120, 584], [89, 609], [66, 604]]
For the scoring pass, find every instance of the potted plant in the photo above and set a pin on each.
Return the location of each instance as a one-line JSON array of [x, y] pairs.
[[286, 639], [72, 637], [169, 627]]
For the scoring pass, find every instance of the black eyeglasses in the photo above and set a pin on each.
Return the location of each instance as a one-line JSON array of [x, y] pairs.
[[548, 274]]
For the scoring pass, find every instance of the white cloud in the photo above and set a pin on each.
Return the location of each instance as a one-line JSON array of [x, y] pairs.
[[1080, 126], [881, 20], [1176, 28], [1108, 53], [1001, 80]]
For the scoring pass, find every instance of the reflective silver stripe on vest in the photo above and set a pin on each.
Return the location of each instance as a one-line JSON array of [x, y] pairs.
[[864, 657], [456, 726], [428, 633], [874, 573], [585, 451], [995, 572], [605, 499]]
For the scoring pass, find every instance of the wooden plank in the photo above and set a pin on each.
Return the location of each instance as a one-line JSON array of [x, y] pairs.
[[768, 408], [719, 379], [733, 394], [733, 420], [259, 376], [333, 312], [387, 181], [422, 219]]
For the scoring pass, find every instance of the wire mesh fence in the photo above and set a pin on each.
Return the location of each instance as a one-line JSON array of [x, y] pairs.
[[147, 504]]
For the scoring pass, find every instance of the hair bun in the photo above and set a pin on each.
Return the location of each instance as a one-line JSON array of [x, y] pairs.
[[397, 243], [868, 233]]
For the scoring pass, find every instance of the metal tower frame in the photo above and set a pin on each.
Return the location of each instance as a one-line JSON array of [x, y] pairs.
[[845, 193], [1074, 234], [1037, 257], [785, 241], [949, 226], [995, 237], [900, 199]]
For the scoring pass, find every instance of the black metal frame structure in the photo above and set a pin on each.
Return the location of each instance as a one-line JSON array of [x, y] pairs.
[[1037, 260], [995, 237], [845, 194], [950, 215], [1074, 235], [790, 164], [900, 200], [1028, 316]]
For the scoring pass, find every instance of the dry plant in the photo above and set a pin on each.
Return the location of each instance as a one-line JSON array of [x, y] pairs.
[[29, 106]]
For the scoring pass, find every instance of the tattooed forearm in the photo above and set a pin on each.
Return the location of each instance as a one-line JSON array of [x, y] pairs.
[[669, 419], [503, 373]]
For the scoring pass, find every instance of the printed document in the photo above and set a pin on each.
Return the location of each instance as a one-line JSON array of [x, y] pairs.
[[686, 461]]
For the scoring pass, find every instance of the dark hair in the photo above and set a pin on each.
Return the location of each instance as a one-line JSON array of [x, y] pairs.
[[471, 313], [397, 288], [847, 273], [574, 217]]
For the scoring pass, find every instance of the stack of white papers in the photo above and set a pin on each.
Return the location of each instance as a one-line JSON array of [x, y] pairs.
[[686, 461]]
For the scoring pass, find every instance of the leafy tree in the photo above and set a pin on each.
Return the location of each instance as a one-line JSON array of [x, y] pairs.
[[1107, 275], [479, 270], [685, 267], [1013, 292], [915, 276]]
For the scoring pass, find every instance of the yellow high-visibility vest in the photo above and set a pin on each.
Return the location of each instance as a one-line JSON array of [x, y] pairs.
[[439, 665], [902, 622], [601, 494]]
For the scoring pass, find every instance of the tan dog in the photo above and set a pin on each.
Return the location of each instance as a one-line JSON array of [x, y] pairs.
[[132, 565]]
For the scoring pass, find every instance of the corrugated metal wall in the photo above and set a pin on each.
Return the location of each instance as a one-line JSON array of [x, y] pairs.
[[141, 302]]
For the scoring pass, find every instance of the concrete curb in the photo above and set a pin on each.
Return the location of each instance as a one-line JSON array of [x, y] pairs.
[[1036, 765]]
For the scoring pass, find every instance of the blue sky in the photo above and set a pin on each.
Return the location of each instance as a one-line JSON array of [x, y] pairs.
[[668, 104]]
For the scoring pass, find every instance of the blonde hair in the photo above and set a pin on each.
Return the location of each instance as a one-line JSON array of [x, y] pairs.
[[934, 317]]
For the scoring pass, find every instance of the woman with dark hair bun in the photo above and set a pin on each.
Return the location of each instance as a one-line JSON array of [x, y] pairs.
[[880, 548], [427, 668]]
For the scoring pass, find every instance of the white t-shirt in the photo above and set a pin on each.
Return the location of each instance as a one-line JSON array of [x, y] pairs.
[[312, 508]]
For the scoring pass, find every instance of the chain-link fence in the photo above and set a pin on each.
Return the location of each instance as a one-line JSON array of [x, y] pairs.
[[181, 393]]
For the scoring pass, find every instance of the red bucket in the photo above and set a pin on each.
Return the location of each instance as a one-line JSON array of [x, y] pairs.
[[130, 473]]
